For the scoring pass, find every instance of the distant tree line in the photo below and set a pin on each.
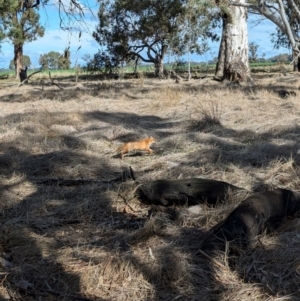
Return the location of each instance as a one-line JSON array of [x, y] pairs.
[[55, 60], [51, 60]]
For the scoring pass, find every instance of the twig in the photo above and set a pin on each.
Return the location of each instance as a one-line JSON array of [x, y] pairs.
[[125, 176], [211, 259], [125, 201], [132, 174], [63, 182], [53, 83]]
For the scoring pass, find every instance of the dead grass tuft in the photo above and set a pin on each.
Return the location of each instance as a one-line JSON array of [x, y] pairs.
[[206, 116]]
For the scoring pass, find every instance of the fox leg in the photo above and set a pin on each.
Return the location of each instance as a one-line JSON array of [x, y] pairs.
[[150, 151]]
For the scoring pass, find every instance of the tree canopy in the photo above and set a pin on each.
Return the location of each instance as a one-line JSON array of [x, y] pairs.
[[55, 60], [146, 30], [19, 21]]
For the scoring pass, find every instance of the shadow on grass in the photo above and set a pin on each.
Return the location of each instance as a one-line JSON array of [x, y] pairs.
[[53, 232]]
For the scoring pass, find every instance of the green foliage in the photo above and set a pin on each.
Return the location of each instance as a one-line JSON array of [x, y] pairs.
[[43, 61], [55, 60], [283, 58], [145, 30], [253, 52], [64, 61], [19, 21], [281, 39], [197, 27], [102, 62], [26, 62]]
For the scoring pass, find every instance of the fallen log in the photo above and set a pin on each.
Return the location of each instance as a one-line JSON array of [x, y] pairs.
[[263, 211], [185, 192], [125, 176]]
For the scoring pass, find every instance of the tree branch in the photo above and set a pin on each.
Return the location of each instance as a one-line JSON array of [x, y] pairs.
[[287, 26], [26, 79], [248, 5], [295, 8], [278, 17], [265, 10], [53, 83], [37, 3]]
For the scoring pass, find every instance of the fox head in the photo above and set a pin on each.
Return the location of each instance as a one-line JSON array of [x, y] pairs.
[[151, 139]]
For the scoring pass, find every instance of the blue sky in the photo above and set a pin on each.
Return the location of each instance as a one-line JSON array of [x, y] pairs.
[[56, 39]]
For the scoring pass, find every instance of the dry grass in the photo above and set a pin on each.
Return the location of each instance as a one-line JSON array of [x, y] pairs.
[[97, 241]]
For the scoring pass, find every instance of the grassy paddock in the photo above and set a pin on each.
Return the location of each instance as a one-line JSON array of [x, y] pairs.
[[96, 241], [195, 67]]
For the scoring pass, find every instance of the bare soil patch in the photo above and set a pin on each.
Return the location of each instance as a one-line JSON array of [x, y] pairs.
[[93, 239]]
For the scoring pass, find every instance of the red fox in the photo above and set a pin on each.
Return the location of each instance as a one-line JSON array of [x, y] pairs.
[[137, 145]]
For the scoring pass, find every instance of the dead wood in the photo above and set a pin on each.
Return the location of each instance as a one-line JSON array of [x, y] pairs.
[[177, 77], [185, 191], [125, 176], [53, 83], [27, 78], [263, 211]]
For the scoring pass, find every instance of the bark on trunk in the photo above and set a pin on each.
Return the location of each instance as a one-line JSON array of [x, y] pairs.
[[296, 61], [233, 61], [159, 67], [18, 59], [221, 57]]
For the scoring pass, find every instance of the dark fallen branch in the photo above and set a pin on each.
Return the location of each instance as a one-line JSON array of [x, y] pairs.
[[263, 211], [71, 296], [125, 176], [63, 182], [185, 191], [26, 79]]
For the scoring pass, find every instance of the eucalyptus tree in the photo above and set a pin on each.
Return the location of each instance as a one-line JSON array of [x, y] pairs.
[[142, 29], [233, 60], [20, 21], [196, 29], [285, 14]]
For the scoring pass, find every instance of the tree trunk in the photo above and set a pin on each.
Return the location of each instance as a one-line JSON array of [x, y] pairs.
[[189, 65], [221, 57], [233, 63], [159, 67], [18, 58], [158, 63], [296, 61]]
